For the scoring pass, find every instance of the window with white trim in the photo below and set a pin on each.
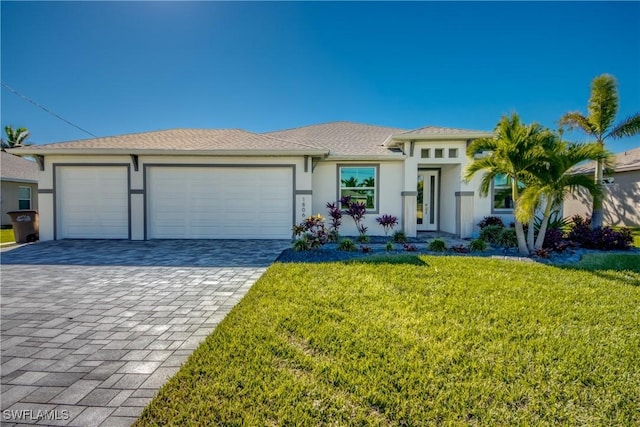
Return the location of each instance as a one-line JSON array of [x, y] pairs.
[[359, 183], [24, 198]]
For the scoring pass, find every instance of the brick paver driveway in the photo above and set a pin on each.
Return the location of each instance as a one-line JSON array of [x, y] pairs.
[[92, 329]]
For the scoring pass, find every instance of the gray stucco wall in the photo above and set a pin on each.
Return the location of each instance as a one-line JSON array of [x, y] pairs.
[[9, 198], [622, 201]]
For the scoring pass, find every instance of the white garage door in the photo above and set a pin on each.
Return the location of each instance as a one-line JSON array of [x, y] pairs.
[[92, 202], [220, 202]]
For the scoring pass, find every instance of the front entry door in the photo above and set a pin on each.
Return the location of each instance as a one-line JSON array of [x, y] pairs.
[[427, 213]]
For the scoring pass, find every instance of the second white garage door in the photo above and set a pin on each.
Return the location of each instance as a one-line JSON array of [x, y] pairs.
[[219, 202]]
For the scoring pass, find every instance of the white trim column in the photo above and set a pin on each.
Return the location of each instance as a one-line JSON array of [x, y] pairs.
[[464, 214], [409, 206]]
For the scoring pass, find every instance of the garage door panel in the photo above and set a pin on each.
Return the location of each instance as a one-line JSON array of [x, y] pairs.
[[92, 202], [215, 202]]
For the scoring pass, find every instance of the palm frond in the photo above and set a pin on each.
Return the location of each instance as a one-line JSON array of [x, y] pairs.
[[628, 127], [480, 145], [575, 120], [603, 103]]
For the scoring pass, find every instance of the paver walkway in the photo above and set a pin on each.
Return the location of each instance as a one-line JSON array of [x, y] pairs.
[[91, 329]]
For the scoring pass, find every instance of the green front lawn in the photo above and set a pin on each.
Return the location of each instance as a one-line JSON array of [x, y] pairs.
[[422, 341], [6, 235]]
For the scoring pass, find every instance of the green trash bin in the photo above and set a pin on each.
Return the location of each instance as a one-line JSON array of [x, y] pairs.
[[25, 225]]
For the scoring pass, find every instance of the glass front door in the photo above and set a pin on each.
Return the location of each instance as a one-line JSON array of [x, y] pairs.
[[427, 206]]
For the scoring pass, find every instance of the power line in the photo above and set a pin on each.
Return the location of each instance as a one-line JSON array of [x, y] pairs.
[[45, 109]]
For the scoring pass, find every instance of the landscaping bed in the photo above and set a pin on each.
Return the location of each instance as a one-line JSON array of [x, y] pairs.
[[377, 247]]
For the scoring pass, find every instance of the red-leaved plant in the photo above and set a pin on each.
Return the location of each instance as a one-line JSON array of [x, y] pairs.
[[387, 222]]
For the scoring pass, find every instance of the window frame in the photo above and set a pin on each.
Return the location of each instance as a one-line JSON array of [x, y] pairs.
[[494, 190], [376, 188], [21, 199]]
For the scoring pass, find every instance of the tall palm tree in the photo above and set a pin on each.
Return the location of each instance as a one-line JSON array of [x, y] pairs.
[[553, 181], [514, 152], [598, 124], [15, 137]]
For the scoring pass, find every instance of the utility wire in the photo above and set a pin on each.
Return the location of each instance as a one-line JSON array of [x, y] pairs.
[[45, 109]]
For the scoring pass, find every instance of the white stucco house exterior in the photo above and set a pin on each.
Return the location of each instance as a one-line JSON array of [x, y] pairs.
[[231, 183]]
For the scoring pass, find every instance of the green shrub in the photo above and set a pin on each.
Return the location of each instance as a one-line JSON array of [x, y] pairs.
[[389, 247], [491, 233], [363, 238], [556, 222], [346, 245], [399, 237], [301, 244], [508, 238], [437, 245], [477, 245]]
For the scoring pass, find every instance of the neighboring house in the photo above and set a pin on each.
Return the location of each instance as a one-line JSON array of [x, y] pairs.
[[230, 183], [622, 192], [19, 181]]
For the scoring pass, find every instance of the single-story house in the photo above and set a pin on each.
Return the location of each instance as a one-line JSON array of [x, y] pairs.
[[622, 192], [19, 185], [230, 183]]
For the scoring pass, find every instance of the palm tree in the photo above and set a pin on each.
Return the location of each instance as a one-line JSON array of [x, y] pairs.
[[15, 138], [553, 181], [352, 181], [514, 152], [602, 108]]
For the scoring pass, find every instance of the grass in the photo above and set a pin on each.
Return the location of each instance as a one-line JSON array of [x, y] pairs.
[[6, 235], [418, 341]]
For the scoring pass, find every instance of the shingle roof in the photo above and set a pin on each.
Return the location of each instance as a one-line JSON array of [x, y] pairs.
[[15, 168], [436, 130], [180, 140], [623, 162], [341, 138], [336, 138]]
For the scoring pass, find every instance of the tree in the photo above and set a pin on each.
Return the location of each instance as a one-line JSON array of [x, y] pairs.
[[15, 137], [553, 180], [515, 151], [598, 124]]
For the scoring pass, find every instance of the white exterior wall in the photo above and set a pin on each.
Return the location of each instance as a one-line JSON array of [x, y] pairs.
[[451, 173], [302, 182], [390, 187]]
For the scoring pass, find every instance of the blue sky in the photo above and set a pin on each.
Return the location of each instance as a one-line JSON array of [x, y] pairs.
[[122, 67]]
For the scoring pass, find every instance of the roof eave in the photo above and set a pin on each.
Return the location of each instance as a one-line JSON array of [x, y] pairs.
[[19, 180], [443, 137], [366, 158], [163, 152]]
